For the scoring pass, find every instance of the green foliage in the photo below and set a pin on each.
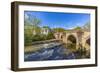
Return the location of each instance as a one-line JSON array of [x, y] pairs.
[[59, 30], [37, 37], [31, 25], [40, 37], [36, 21], [71, 46], [46, 27], [77, 28], [50, 36], [37, 29], [28, 35], [31, 20]]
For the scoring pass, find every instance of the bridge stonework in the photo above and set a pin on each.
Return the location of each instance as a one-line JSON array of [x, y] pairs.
[[81, 38]]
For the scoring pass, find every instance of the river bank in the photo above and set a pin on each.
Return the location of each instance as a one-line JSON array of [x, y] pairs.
[[40, 45]]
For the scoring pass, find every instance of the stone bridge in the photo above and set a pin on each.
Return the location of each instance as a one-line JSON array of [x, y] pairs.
[[80, 37]]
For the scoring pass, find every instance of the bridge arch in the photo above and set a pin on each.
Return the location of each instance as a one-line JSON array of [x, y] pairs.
[[83, 39], [88, 41], [71, 41]]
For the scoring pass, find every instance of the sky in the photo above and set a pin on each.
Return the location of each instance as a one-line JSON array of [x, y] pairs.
[[59, 19]]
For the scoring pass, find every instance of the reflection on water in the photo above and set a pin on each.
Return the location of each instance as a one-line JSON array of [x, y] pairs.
[[51, 51]]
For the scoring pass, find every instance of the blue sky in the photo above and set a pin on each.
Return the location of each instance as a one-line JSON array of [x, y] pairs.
[[59, 19]]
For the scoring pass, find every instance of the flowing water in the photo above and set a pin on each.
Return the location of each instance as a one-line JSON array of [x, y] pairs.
[[50, 52]]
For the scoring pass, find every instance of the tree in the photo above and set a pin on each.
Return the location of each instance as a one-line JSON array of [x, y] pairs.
[[28, 35], [59, 30], [31, 25], [77, 28], [34, 21], [46, 27]]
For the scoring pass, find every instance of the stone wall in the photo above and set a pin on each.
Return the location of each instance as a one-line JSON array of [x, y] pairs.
[[64, 38]]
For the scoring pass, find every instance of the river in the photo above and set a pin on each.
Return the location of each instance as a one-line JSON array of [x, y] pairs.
[[51, 51]]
